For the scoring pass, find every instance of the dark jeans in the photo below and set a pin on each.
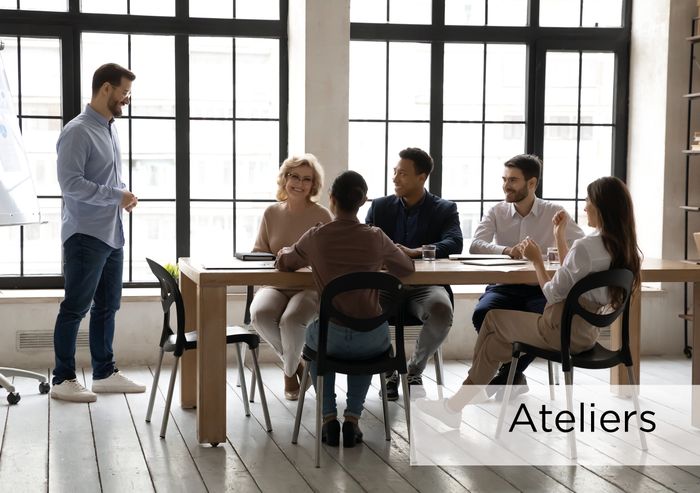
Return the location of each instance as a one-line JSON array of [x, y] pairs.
[[523, 297], [93, 281]]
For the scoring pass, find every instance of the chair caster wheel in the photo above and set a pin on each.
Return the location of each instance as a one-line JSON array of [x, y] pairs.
[[44, 387], [688, 351], [214, 444], [13, 397]]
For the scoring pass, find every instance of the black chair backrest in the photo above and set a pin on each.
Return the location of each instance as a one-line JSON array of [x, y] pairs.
[[169, 294], [620, 278], [393, 289]]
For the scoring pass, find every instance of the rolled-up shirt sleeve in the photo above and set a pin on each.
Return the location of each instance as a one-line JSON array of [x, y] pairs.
[[484, 235], [73, 150], [576, 266]]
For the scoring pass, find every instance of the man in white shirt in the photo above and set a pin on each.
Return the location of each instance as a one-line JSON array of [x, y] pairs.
[[503, 230]]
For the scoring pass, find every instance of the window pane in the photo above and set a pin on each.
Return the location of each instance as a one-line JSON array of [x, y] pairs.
[[507, 12], [561, 87], [98, 49], [40, 136], [465, 12], [153, 158], [154, 87], [8, 4], [46, 5], [559, 163], [595, 156], [257, 78], [9, 260], [469, 218], [211, 159], [409, 91], [597, 87], [501, 142], [366, 154], [153, 236], [367, 92], [248, 217], [505, 82], [212, 9], [257, 9], [602, 13], [463, 84], [401, 136], [42, 242], [461, 161], [410, 11], [152, 7], [211, 230], [560, 13], [368, 11], [41, 95], [211, 77], [257, 159], [9, 61], [102, 7]]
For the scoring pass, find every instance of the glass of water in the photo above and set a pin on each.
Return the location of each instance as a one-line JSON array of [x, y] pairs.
[[428, 252]]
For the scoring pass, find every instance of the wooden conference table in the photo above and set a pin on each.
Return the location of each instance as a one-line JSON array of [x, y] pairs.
[[203, 375]]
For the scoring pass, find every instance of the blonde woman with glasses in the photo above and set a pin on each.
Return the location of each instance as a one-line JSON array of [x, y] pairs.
[[280, 316]]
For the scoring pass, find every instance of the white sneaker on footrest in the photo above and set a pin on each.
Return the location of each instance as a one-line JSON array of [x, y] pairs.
[[117, 383], [73, 391]]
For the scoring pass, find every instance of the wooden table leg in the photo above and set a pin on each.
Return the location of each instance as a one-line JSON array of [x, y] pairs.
[[211, 365], [188, 362], [695, 409], [618, 374]]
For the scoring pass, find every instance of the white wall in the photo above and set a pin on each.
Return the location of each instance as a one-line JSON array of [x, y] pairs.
[[656, 168]]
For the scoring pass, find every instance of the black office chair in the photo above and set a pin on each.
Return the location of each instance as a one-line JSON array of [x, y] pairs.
[[378, 364], [181, 341], [598, 357]]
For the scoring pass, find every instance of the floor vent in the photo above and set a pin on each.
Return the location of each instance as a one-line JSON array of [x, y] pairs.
[[42, 340]]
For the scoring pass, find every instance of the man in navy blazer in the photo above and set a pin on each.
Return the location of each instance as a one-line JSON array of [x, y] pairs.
[[411, 218]]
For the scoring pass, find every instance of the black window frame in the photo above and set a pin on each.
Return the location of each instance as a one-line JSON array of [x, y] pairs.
[[68, 27], [538, 40]]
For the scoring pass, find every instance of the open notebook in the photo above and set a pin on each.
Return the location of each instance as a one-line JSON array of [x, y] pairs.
[[488, 262], [477, 256], [235, 264]]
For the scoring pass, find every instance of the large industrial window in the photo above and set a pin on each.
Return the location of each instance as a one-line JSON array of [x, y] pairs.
[[201, 141], [478, 81]]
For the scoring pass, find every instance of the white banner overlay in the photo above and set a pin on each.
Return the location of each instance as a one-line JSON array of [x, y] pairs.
[[538, 431]]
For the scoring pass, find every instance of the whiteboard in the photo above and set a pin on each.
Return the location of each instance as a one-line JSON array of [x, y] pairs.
[[18, 201]]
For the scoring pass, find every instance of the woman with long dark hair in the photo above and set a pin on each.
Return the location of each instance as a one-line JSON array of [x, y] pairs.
[[612, 245]]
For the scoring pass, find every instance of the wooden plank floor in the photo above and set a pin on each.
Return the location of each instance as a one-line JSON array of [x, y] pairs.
[[48, 445]]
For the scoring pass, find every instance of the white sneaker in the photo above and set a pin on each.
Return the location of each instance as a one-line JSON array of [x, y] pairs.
[[71, 390], [117, 383], [438, 410]]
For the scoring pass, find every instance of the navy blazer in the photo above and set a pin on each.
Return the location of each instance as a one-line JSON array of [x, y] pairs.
[[438, 222]]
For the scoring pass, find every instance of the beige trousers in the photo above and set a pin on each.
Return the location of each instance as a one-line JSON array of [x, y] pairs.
[[280, 316], [503, 327]]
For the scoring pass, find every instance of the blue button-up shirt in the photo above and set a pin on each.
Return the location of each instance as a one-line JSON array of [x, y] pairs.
[[89, 173]]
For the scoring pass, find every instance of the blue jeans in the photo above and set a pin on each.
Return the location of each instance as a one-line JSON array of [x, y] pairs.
[[522, 297], [350, 344], [93, 281]]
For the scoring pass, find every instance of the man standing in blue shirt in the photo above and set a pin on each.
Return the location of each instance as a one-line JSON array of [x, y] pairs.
[[413, 217], [89, 173]]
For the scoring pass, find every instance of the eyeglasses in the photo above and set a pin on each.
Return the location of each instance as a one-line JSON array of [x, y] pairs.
[[125, 94], [306, 180]]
